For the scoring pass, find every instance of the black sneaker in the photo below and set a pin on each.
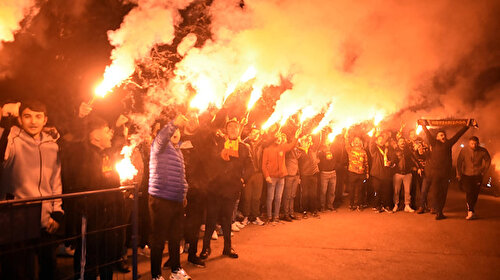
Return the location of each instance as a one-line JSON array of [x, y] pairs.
[[167, 264], [196, 261], [205, 253], [293, 217], [122, 267], [305, 216], [440, 216], [315, 214], [287, 219], [230, 253]]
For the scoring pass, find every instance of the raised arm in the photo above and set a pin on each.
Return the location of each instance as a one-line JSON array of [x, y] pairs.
[[459, 134], [460, 163], [431, 138]]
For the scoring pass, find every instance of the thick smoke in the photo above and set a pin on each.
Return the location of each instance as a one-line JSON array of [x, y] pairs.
[[362, 56], [407, 59], [12, 12], [151, 23]]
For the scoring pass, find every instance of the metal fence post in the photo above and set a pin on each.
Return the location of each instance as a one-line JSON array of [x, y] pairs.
[[135, 231], [84, 247]]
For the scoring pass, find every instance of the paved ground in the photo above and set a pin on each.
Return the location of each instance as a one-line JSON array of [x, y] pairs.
[[366, 245]]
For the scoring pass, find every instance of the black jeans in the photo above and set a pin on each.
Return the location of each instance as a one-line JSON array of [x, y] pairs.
[[167, 218], [309, 187], [426, 184], [20, 264], [356, 187], [103, 244], [251, 196], [196, 205], [439, 187], [472, 186], [383, 192], [219, 209]]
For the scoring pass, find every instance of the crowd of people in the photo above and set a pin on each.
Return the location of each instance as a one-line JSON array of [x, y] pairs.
[[211, 171]]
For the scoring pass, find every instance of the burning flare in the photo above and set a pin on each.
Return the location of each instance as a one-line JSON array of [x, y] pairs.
[[125, 168]]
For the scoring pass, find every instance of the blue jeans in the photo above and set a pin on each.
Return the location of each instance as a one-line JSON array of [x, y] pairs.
[[328, 180], [274, 191], [404, 179], [291, 183]]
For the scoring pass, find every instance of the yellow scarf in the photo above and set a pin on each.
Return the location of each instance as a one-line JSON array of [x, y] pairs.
[[230, 149]]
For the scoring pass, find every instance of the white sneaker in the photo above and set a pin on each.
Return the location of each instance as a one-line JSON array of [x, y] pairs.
[[409, 209], [470, 215], [395, 209], [245, 221], [180, 274], [214, 235], [159, 278], [234, 227], [240, 225], [202, 227], [258, 222]]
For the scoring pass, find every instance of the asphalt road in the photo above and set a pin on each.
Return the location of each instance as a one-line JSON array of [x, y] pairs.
[[362, 245]]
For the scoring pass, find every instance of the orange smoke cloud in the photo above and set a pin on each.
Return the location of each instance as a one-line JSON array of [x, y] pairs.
[[152, 22], [12, 12]]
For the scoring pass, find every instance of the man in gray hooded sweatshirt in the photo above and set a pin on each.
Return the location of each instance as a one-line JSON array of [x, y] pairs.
[[31, 168]]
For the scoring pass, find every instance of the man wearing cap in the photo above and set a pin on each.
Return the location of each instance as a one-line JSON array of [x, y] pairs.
[[472, 163]]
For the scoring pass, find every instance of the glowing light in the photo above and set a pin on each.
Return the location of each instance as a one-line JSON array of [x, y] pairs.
[[249, 74], [379, 116], [371, 132], [307, 113], [125, 168], [418, 130], [114, 75], [254, 96], [205, 94], [331, 136], [325, 120]]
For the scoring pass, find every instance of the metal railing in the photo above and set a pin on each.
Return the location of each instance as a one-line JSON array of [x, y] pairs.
[[8, 205]]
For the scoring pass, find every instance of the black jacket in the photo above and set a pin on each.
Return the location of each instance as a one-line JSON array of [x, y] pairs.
[[441, 160]]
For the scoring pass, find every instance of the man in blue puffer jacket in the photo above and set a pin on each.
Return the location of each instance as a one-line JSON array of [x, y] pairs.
[[167, 194]]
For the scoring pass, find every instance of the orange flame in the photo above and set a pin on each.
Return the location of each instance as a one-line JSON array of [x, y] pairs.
[[418, 130], [371, 132], [307, 113], [125, 168], [114, 75], [325, 121], [379, 116]]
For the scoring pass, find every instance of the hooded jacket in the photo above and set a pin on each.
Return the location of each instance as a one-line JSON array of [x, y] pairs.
[[33, 169], [167, 177], [273, 159]]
